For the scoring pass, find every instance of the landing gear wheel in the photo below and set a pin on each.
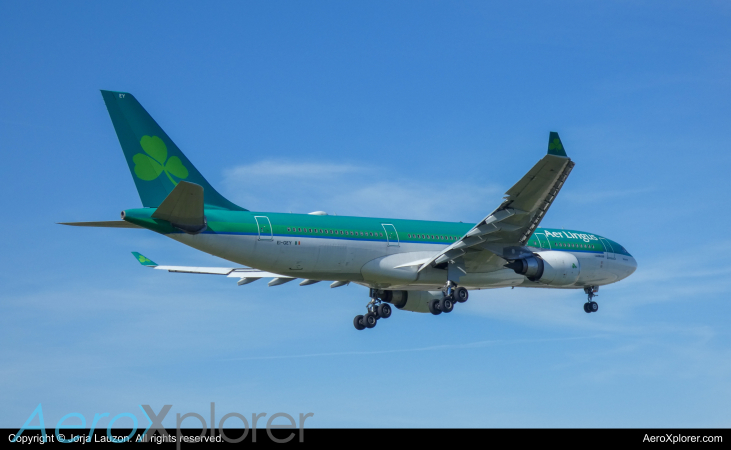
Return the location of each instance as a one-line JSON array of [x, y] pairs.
[[446, 305], [593, 306], [434, 307], [461, 295], [384, 310], [358, 323], [586, 307], [370, 320]]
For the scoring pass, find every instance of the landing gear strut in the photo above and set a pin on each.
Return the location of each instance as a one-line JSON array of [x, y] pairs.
[[451, 294], [377, 309], [591, 306]]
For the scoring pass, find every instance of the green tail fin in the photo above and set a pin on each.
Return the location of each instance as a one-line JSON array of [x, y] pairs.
[[144, 260], [555, 147], [156, 163]]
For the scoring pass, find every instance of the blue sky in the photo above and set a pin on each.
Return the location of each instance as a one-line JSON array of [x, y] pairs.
[[423, 109]]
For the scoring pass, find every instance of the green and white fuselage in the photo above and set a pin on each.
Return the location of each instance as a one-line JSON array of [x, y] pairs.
[[367, 250], [413, 264]]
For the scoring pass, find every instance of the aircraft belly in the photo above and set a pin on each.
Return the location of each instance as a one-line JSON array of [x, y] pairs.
[[497, 278], [237, 248], [384, 270]]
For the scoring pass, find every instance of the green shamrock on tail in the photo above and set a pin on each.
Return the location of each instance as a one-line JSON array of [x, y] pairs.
[[150, 167], [144, 259], [555, 145]]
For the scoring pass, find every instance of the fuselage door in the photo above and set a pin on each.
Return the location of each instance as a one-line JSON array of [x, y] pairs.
[[608, 249], [538, 240], [265, 228], [391, 235]]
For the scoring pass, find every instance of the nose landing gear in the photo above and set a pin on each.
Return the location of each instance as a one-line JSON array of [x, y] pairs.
[[591, 306], [377, 309]]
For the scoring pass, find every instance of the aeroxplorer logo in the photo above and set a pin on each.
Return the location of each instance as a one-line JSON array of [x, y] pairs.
[[156, 432]]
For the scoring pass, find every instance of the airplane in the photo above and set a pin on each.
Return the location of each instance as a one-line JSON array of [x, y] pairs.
[[412, 265]]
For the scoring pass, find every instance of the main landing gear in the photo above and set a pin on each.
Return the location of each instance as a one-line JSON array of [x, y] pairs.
[[591, 306], [450, 295], [376, 310]]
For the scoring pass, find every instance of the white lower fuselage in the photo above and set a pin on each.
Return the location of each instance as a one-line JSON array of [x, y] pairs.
[[372, 263]]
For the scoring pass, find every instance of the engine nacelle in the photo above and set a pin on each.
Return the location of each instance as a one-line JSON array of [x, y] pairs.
[[416, 301], [551, 268]]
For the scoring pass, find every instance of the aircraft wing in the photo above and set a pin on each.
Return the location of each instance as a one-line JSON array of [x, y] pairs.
[[505, 231], [245, 275]]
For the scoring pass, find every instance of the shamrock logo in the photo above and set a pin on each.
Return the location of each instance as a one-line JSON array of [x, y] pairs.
[[555, 144], [143, 259], [156, 161]]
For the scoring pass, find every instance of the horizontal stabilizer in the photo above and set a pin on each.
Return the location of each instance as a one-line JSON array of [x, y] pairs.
[[103, 224], [183, 208]]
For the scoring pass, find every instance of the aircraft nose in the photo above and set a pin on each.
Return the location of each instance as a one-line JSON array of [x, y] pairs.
[[632, 265]]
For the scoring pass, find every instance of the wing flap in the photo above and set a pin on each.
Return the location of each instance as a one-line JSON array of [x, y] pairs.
[[253, 273]]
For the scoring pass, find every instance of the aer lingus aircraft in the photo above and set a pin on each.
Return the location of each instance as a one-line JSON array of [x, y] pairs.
[[414, 265]]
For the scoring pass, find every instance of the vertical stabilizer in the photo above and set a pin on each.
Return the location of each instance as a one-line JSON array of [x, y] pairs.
[[156, 163]]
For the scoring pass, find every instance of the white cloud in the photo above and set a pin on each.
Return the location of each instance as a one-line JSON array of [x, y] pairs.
[[273, 168], [347, 189], [599, 194]]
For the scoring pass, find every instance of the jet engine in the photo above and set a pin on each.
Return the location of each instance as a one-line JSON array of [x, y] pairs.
[[551, 268]]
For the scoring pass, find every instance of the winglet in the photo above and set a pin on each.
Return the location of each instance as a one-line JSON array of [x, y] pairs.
[[144, 260], [555, 147]]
